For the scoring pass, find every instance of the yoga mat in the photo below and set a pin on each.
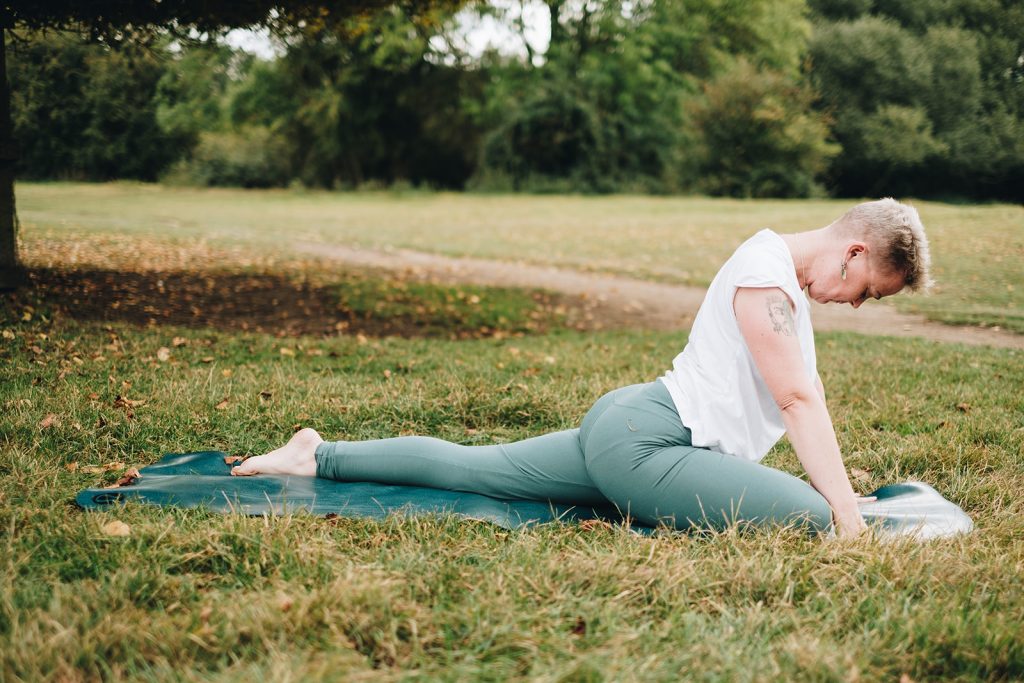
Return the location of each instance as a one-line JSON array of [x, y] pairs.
[[203, 479]]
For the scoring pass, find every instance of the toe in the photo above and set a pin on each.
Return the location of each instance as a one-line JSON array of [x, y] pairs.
[[242, 471]]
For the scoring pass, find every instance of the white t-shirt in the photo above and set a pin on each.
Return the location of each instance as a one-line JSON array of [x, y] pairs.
[[717, 389]]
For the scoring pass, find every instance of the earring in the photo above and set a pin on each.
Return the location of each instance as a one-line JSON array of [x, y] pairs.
[[844, 270]]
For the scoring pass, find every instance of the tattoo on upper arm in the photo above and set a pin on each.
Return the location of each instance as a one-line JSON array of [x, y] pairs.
[[781, 315]]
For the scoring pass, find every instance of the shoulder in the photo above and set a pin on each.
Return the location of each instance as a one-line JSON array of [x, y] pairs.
[[762, 261]]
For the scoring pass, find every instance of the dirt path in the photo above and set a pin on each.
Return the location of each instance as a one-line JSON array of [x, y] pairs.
[[601, 301]]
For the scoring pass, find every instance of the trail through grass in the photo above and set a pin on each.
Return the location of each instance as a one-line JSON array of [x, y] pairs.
[[977, 249]]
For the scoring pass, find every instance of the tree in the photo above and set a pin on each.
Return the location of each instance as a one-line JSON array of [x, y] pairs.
[[607, 108], [142, 20], [760, 136], [85, 111], [381, 105], [927, 96]]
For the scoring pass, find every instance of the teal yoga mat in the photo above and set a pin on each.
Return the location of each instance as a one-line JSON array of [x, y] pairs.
[[203, 479]]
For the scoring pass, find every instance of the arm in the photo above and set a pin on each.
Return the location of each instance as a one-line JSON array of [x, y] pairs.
[[765, 318]]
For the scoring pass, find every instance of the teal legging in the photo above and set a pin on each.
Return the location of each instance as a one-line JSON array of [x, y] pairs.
[[631, 450]]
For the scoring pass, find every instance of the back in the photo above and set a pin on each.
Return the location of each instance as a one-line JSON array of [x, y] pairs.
[[718, 391]]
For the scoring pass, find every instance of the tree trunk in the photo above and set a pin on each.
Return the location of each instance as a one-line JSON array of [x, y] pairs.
[[12, 275]]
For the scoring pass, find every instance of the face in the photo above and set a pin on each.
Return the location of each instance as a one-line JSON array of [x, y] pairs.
[[863, 280]]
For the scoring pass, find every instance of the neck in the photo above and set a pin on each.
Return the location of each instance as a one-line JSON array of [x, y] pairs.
[[805, 248]]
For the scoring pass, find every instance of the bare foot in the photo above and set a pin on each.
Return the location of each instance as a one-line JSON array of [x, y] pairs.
[[295, 457]]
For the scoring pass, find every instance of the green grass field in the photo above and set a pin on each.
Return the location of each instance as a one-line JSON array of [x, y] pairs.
[[977, 250], [189, 595]]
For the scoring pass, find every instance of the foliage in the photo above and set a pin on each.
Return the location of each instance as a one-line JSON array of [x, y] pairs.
[[928, 97], [193, 89], [717, 96], [760, 136], [605, 112], [87, 111], [369, 102], [253, 156]]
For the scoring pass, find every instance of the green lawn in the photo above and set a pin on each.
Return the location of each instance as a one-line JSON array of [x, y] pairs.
[[189, 595], [977, 249]]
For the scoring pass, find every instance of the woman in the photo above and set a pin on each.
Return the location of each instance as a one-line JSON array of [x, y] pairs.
[[684, 450]]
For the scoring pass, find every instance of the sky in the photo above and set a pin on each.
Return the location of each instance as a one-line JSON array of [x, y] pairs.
[[475, 33]]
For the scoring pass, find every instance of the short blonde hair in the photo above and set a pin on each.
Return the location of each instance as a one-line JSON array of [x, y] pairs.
[[896, 236]]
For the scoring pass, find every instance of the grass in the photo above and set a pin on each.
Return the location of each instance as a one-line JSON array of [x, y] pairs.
[[189, 595], [977, 249]]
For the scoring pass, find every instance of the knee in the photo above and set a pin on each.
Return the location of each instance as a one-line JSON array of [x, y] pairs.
[[810, 510]]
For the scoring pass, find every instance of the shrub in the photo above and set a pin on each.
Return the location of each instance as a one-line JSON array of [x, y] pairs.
[[251, 157], [759, 136]]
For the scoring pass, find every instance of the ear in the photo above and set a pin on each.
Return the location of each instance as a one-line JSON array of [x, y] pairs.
[[856, 249]]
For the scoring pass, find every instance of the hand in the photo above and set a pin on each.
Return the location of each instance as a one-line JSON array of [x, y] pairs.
[[850, 525]]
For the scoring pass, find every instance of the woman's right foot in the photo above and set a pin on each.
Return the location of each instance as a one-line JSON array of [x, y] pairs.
[[295, 457]]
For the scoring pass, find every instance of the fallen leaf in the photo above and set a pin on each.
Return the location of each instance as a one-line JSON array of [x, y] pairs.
[[266, 395], [284, 602], [179, 341], [163, 354], [117, 528], [963, 407], [232, 459], [127, 479], [122, 402], [71, 467], [100, 469], [49, 421], [226, 372], [206, 359], [860, 475], [592, 524], [223, 405], [204, 614], [580, 627], [9, 335], [285, 351]]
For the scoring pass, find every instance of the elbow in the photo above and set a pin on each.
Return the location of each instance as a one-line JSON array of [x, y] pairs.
[[796, 399]]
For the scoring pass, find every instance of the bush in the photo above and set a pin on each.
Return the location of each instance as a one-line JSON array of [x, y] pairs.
[[250, 157], [759, 136], [85, 111]]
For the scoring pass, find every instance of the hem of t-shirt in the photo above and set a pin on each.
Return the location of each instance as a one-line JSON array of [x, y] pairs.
[[696, 429]]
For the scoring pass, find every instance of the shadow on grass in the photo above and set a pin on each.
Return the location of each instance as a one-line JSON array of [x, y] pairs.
[[280, 305]]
